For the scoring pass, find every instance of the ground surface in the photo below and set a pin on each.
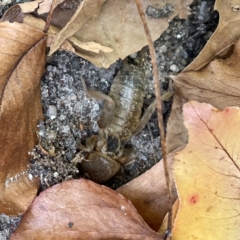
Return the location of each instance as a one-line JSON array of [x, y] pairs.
[[70, 117]]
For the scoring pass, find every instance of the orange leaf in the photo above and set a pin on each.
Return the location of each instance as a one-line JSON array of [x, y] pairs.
[[207, 174], [22, 56], [81, 209]]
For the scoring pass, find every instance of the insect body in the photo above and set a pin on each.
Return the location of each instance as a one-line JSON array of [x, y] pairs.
[[119, 120], [127, 92]]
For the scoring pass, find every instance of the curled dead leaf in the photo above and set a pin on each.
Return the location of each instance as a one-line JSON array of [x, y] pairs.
[[217, 84], [22, 56], [226, 34]]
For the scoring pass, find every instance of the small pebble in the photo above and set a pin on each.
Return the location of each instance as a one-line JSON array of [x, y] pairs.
[[55, 174], [30, 176], [5, 2], [42, 133], [174, 68], [96, 107], [163, 49], [73, 97], [133, 55], [69, 155], [65, 129], [49, 68], [52, 112], [183, 62], [52, 134], [62, 117], [52, 151]]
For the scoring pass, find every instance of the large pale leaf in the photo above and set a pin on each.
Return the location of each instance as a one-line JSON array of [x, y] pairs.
[[116, 25], [218, 84], [207, 174], [22, 56], [104, 31], [81, 209], [226, 34]]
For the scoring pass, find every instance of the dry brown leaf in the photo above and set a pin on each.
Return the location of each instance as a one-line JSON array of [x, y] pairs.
[[14, 14], [148, 193], [66, 45], [117, 26], [176, 131], [90, 46], [87, 11], [40, 24], [45, 6], [226, 34], [104, 31], [63, 11], [218, 84], [42, 6], [22, 56], [31, 6], [81, 209]]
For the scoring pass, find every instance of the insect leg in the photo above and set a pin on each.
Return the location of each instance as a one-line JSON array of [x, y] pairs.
[[148, 113], [109, 105]]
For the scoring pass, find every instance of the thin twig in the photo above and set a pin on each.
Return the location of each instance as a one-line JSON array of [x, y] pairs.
[[49, 17], [159, 112]]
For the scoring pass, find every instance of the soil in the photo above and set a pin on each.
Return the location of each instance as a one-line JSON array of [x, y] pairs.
[[71, 117]]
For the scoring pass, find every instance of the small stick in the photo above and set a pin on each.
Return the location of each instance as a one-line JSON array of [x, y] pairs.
[[159, 113], [49, 17]]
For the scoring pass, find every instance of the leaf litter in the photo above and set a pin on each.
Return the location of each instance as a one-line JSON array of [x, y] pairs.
[[217, 84], [178, 30], [70, 107]]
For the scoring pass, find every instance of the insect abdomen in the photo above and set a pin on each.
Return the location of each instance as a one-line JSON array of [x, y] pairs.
[[127, 91]]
